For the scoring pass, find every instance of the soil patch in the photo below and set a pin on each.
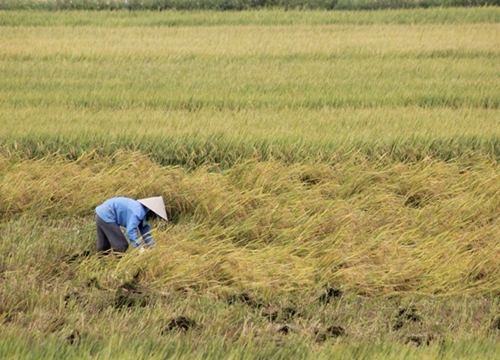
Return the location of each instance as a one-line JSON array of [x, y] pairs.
[[244, 298], [329, 295], [418, 340], [124, 299], [284, 330], [75, 296], [180, 323], [285, 314], [73, 338], [331, 332], [405, 315]]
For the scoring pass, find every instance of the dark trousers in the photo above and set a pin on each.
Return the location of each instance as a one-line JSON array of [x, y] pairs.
[[110, 236]]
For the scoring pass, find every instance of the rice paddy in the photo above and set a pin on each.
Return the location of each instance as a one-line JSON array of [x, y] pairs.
[[331, 178]]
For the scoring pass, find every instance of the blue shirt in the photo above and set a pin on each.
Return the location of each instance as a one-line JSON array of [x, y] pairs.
[[128, 213]]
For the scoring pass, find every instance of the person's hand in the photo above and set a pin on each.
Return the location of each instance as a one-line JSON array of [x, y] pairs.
[[151, 244]]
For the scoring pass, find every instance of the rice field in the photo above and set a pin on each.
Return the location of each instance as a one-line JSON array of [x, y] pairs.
[[331, 179]]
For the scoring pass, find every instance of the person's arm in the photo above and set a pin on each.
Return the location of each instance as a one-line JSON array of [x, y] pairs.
[[132, 226], [146, 235]]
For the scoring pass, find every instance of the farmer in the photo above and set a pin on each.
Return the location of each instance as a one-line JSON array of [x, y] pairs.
[[133, 215]]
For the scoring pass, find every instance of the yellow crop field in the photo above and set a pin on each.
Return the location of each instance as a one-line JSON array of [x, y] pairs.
[[331, 180]]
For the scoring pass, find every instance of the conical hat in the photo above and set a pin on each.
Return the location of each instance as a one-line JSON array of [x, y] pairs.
[[155, 204]]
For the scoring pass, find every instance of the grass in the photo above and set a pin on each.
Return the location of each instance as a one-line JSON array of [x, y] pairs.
[[283, 260], [350, 223], [245, 85], [331, 180], [262, 17]]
